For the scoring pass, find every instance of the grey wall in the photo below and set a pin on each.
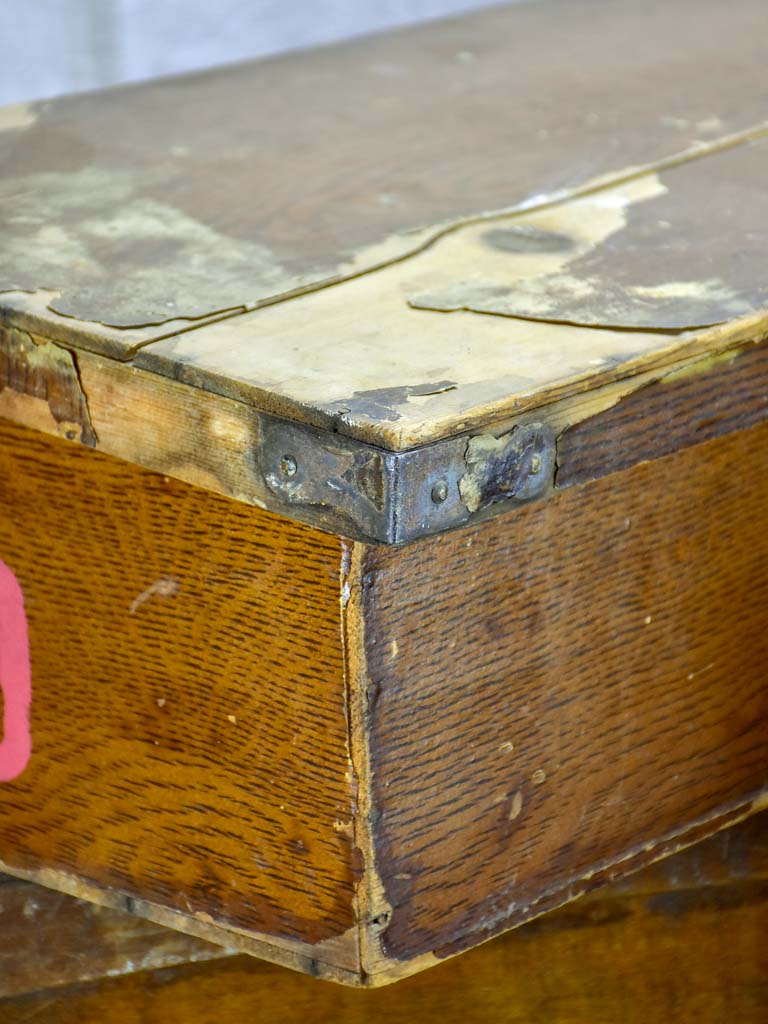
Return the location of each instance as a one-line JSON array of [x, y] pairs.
[[55, 46]]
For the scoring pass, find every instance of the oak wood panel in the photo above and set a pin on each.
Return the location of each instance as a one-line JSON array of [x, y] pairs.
[[688, 946], [556, 696], [188, 715], [48, 939], [685, 407]]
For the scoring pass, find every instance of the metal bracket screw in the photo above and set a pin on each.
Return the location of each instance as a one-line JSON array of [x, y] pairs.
[[440, 492], [288, 466]]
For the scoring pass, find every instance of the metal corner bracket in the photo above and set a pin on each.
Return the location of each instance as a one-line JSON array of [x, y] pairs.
[[366, 493]]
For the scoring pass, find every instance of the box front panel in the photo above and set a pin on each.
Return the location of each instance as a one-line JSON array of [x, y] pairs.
[[188, 736]]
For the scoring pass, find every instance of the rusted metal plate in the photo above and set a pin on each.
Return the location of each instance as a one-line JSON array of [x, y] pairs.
[[170, 201]]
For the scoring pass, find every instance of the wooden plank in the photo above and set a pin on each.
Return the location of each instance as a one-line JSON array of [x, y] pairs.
[[114, 201], [198, 645], [644, 955], [188, 712], [552, 698], [48, 940]]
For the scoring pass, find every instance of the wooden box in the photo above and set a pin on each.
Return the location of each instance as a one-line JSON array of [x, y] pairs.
[[384, 478]]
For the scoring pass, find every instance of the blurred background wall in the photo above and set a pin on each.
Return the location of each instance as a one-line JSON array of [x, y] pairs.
[[55, 46]]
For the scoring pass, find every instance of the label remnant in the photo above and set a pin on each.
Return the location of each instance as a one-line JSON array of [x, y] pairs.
[[15, 678]]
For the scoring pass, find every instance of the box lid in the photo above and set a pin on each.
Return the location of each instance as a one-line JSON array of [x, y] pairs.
[[414, 236]]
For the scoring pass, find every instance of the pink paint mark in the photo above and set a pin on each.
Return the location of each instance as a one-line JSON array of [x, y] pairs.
[[15, 678]]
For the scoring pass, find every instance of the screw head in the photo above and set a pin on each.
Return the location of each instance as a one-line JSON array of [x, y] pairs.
[[288, 466], [535, 464], [440, 492]]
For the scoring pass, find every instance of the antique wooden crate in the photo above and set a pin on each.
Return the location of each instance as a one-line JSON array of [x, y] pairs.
[[384, 477]]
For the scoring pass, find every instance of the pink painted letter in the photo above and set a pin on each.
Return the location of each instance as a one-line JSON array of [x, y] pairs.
[[15, 678]]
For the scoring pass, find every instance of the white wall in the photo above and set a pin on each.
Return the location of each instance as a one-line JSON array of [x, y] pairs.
[[55, 46]]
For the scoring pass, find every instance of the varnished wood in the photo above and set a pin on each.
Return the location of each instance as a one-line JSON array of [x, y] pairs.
[[695, 404], [49, 940], [188, 715], [209, 746], [357, 760], [682, 940], [554, 697]]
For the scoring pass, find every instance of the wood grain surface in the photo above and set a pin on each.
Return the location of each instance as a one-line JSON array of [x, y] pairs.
[[533, 705], [688, 406], [680, 941], [362, 760], [49, 940], [188, 714], [560, 695]]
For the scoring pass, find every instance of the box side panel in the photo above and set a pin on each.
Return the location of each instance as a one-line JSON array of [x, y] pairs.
[[560, 695], [188, 710]]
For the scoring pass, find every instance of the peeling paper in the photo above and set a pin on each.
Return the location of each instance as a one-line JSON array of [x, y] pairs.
[[130, 260], [607, 260], [365, 369]]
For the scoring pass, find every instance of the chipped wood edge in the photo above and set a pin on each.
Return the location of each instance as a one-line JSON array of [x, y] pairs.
[[372, 909], [316, 960], [207, 440], [683, 350], [379, 970], [611, 869], [371, 905]]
